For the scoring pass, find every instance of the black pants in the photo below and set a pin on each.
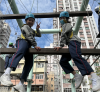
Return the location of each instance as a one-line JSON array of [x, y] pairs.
[[75, 54]]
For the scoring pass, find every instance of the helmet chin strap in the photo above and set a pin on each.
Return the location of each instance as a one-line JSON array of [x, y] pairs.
[[65, 20]]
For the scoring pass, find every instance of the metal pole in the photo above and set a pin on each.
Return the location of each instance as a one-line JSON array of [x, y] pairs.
[[72, 81], [15, 11], [45, 15], [49, 31], [30, 76], [79, 20], [20, 23]]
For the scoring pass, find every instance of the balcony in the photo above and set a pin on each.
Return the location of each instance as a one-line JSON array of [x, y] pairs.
[[4, 40], [4, 45]]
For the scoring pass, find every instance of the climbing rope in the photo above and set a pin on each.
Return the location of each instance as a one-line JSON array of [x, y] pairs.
[[37, 10], [32, 6], [24, 5], [11, 20]]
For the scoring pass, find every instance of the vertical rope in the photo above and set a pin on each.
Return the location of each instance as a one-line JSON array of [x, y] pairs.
[[37, 10]]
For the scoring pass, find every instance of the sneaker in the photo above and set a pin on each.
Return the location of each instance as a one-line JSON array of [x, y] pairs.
[[5, 80], [78, 80], [19, 88], [96, 84], [12, 90]]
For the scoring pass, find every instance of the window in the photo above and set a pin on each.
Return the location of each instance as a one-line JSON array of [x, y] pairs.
[[67, 4], [51, 79], [76, 7], [85, 23], [83, 44], [67, 7], [73, 24], [89, 38], [60, 4], [84, 19], [39, 65], [81, 33], [54, 67], [73, 19], [66, 1], [81, 28], [55, 79], [65, 80], [91, 44], [39, 76], [87, 28], [55, 56], [96, 64], [60, 8], [88, 33], [75, 4], [51, 85], [59, 1], [82, 38]]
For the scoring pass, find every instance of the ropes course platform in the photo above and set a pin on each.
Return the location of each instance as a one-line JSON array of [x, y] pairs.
[[50, 51], [46, 15]]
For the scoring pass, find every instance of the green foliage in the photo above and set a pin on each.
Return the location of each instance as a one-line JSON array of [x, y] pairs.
[[98, 71]]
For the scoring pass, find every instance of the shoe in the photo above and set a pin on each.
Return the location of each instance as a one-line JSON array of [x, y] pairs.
[[78, 80], [12, 90], [19, 88], [5, 80], [96, 84]]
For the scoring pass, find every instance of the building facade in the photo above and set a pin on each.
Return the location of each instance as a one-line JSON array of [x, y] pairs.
[[4, 33], [4, 38]]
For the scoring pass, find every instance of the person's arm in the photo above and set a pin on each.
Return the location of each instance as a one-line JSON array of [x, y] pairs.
[[62, 41], [38, 33], [28, 36]]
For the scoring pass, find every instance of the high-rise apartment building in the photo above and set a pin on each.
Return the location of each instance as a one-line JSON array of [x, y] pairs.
[[4, 38], [4, 35]]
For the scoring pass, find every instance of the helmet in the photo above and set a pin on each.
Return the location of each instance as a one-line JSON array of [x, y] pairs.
[[10, 43], [29, 15], [64, 14]]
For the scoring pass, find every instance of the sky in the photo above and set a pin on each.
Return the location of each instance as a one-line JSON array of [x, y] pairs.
[[36, 6]]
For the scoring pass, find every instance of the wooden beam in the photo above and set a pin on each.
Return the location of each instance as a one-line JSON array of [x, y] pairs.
[[50, 51], [46, 15]]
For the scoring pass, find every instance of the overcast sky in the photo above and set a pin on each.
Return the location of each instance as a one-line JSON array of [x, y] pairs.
[[44, 6]]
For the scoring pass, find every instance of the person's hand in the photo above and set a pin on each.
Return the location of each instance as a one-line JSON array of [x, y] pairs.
[[57, 48], [37, 48], [38, 25]]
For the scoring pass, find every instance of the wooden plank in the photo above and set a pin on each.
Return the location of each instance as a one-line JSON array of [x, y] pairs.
[[50, 51], [46, 15]]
